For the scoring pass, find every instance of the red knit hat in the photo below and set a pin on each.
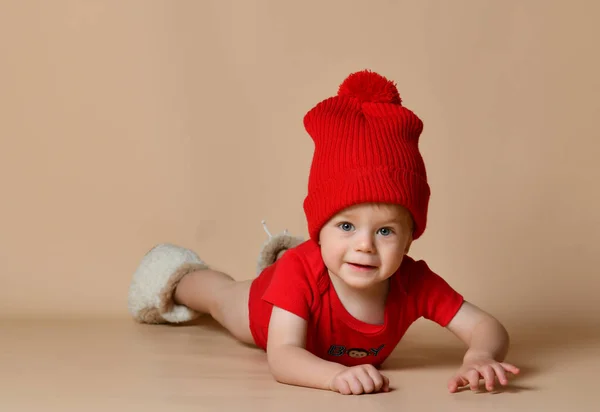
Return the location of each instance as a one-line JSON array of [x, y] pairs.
[[366, 150]]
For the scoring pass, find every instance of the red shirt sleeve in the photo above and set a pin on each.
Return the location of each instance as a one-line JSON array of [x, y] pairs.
[[434, 298], [290, 287]]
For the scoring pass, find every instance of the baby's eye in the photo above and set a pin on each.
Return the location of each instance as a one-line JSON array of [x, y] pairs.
[[345, 226], [385, 231]]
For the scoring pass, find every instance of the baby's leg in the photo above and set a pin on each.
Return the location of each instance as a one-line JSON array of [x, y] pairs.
[[172, 285], [224, 298]]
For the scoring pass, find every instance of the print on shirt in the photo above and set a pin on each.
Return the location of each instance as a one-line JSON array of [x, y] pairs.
[[357, 353], [340, 350]]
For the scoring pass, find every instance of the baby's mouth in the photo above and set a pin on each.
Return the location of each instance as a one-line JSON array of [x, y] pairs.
[[362, 267]]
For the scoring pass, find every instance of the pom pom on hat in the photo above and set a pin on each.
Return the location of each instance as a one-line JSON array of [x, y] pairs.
[[368, 86]]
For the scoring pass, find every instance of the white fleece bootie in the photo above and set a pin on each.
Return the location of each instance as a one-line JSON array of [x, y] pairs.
[[154, 282]]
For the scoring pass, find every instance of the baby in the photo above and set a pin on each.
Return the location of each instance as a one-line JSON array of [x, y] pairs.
[[329, 311]]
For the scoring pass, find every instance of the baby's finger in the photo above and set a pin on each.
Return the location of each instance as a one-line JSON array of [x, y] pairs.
[[488, 374], [501, 374], [454, 383], [376, 377], [355, 385], [365, 380], [510, 368], [386, 384], [473, 377], [342, 386], [457, 382]]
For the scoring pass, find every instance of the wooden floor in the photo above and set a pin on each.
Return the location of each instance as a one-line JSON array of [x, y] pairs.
[[93, 365]]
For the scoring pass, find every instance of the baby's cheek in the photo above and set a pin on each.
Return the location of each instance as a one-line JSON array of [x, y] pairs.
[[333, 257], [392, 253]]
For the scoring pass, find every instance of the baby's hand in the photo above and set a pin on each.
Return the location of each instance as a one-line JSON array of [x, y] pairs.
[[359, 379], [488, 369]]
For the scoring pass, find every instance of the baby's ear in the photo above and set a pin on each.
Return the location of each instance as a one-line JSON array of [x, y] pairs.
[[408, 243]]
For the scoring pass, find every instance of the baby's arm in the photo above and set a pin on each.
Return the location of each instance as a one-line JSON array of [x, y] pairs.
[[292, 364], [487, 341]]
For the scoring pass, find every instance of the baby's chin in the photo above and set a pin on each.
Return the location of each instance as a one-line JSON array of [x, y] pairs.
[[362, 280]]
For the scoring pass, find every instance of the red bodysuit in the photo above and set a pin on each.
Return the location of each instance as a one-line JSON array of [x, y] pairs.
[[299, 283]]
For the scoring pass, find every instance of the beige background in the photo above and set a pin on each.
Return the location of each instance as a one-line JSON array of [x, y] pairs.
[[128, 123]]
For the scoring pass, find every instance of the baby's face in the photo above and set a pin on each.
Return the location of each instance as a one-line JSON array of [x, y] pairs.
[[365, 244]]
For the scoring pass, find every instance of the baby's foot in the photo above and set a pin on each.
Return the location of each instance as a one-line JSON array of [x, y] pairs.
[[154, 281], [275, 247]]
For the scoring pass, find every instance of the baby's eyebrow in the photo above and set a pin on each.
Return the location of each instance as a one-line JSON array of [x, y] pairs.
[[396, 220], [345, 216]]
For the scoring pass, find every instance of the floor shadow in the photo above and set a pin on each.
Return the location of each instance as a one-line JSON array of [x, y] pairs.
[[207, 323], [412, 356], [428, 356], [532, 343], [509, 388]]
